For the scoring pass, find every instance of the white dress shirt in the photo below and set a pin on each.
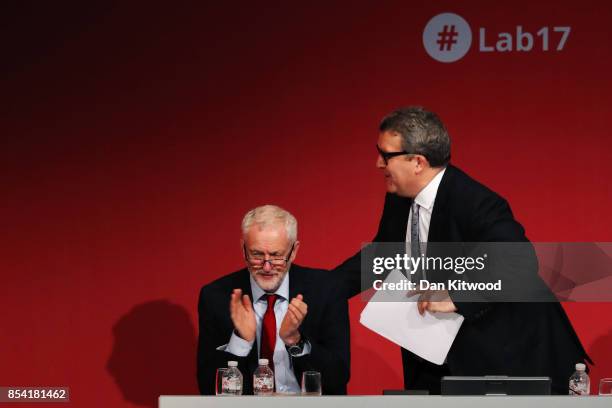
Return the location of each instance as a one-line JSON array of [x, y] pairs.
[[425, 199], [284, 378]]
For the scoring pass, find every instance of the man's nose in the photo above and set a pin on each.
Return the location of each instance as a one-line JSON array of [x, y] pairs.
[[267, 266], [380, 163]]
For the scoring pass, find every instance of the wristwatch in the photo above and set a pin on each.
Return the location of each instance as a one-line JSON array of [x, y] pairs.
[[297, 348]]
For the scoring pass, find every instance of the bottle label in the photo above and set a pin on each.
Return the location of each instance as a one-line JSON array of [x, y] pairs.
[[231, 384], [263, 383], [577, 388]]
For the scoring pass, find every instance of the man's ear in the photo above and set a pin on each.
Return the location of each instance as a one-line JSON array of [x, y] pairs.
[[421, 163], [296, 246]]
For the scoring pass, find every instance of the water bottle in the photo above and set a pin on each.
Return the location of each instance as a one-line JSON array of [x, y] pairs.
[[263, 379], [232, 379], [579, 383]]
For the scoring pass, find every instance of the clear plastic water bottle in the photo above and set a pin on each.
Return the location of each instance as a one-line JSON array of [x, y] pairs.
[[232, 379], [579, 383], [263, 379]]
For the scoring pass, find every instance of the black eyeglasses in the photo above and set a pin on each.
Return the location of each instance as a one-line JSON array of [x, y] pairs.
[[259, 261], [387, 155]]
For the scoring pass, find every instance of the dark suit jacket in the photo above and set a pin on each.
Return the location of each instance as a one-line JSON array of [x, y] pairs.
[[496, 338], [326, 326]]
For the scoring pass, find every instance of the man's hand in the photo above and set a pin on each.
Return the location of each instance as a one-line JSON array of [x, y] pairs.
[[296, 312], [243, 316], [434, 301]]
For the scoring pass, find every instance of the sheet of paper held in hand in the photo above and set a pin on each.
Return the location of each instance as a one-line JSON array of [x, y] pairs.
[[429, 336]]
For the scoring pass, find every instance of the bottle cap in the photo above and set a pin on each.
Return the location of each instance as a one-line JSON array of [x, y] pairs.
[[232, 364], [580, 367], [263, 361]]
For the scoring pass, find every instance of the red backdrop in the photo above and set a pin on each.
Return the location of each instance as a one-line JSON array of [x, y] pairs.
[[135, 137]]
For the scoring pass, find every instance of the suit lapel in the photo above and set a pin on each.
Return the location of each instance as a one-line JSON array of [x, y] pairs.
[[396, 223], [300, 282], [440, 215], [245, 285], [297, 282]]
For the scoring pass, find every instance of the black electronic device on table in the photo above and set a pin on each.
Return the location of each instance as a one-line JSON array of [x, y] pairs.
[[495, 385]]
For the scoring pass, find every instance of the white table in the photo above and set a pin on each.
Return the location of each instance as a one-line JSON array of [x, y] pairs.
[[387, 401]]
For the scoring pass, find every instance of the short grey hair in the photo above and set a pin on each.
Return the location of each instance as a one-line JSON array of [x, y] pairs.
[[422, 133], [270, 214]]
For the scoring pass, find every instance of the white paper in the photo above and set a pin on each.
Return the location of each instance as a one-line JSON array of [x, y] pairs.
[[429, 336]]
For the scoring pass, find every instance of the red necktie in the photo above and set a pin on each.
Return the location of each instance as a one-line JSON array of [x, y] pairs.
[[268, 332]]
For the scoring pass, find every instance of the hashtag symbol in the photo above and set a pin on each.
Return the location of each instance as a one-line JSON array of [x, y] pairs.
[[447, 38]]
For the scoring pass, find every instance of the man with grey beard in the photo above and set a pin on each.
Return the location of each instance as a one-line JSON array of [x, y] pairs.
[[295, 317]]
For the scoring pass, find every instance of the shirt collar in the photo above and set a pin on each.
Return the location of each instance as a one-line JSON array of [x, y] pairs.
[[282, 291], [427, 196]]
